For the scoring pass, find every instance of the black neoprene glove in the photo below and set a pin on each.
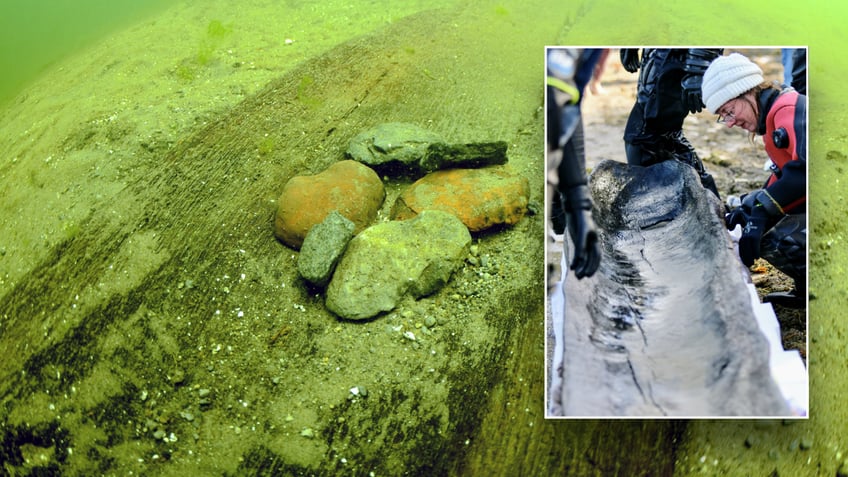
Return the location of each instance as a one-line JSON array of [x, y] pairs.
[[737, 216], [630, 59], [694, 66], [581, 227], [691, 95], [753, 216], [752, 235]]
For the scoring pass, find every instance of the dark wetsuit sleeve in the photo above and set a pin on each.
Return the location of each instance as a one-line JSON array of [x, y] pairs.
[[799, 126], [572, 169], [791, 189]]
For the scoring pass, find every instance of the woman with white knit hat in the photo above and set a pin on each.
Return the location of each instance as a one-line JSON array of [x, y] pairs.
[[774, 217]]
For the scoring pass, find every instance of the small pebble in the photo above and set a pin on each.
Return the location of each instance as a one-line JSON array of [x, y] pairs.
[[806, 443], [160, 434], [307, 433], [750, 441], [203, 392], [177, 376]]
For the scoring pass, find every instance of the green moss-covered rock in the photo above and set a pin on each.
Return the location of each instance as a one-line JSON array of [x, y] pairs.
[[392, 147], [389, 260], [323, 247]]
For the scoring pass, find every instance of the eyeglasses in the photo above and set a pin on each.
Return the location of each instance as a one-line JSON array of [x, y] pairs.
[[726, 117]]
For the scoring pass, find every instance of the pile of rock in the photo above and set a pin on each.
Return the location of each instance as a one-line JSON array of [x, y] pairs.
[[368, 268]]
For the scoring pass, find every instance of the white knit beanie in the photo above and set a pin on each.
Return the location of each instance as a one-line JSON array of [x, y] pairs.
[[728, 77]]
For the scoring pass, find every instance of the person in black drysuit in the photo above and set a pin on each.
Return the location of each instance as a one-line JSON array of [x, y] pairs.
[[669, 88], [566, 70], [794, 62]]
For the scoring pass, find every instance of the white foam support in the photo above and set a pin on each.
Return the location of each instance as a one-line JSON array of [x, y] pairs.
[[556, 305], [787, 367]]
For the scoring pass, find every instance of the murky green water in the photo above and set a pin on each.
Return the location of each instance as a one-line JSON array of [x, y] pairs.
[[36, 34], [151, 324]]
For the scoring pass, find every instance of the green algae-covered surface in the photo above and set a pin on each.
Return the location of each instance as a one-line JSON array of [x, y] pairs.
[[150, 324]]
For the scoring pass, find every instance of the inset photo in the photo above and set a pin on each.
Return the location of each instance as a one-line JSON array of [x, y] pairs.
[[676, 222]]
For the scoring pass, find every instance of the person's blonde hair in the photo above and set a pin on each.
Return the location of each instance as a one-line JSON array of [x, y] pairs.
[[757, 90]]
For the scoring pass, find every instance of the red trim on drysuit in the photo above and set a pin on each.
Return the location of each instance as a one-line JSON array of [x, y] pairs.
[[782, 115]]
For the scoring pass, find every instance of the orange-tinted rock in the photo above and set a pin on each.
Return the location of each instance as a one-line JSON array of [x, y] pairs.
[[352, 188], [480, 198]]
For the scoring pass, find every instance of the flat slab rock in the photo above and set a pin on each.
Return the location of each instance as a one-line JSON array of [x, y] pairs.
[[389, 260], [403, 149], [480, 198], [476, 154], [391, 147]]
